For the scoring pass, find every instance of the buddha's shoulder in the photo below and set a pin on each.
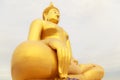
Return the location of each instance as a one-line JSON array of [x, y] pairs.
[[38, 21]]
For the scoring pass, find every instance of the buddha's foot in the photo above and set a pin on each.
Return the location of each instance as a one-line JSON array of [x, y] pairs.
[[91, 72]]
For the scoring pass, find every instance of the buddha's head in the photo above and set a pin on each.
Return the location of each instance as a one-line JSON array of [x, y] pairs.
[[51, 14]]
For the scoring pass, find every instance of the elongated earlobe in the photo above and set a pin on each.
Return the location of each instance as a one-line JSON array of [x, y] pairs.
[[45, 16]]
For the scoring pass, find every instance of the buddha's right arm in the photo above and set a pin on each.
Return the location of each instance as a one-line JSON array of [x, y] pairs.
[[35, 30], [62, 55]]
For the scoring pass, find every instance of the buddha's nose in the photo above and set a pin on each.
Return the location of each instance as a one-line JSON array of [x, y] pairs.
[[58, 16]]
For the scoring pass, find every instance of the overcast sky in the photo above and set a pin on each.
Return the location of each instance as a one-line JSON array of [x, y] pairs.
[[93, 27]]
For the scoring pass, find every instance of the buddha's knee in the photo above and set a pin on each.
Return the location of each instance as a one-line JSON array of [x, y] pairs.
[[32, 59]]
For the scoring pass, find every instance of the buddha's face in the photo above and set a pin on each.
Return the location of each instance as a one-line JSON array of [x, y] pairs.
[[53, 16]]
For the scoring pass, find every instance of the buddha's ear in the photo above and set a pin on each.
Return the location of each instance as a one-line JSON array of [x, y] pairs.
[[45, 16]]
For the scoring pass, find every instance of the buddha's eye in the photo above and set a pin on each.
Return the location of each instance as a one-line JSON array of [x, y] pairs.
[[55, 12]]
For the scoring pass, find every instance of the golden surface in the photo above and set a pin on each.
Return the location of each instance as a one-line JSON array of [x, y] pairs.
[[46, 55]]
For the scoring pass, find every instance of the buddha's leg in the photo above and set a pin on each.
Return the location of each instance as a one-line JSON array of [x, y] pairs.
[[33, 60], [91, 72], [85, 71]]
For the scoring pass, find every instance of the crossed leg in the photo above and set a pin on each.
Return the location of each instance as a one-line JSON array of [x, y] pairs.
[[85, 71]]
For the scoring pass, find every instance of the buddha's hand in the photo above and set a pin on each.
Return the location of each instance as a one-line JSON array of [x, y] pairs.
[[63, 55]]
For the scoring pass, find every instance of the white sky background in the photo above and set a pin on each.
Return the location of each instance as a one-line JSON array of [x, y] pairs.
[[93, 27]]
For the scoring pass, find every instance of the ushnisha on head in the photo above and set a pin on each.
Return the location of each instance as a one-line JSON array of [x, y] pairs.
[[51, 13]]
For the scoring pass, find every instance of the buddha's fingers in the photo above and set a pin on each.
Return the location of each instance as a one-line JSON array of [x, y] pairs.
[[66, 62], [70, 56], [64, 59], [59, 61], [63, 64]]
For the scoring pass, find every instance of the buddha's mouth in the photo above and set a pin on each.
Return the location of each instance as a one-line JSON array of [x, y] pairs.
[[54, 20]]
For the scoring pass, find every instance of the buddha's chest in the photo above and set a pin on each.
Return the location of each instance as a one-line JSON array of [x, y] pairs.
[[53, 31]]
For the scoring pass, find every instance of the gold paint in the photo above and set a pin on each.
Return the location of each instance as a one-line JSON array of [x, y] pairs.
[[47, 55]]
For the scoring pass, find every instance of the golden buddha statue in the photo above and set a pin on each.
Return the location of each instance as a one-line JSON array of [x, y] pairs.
[[46, 55]]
